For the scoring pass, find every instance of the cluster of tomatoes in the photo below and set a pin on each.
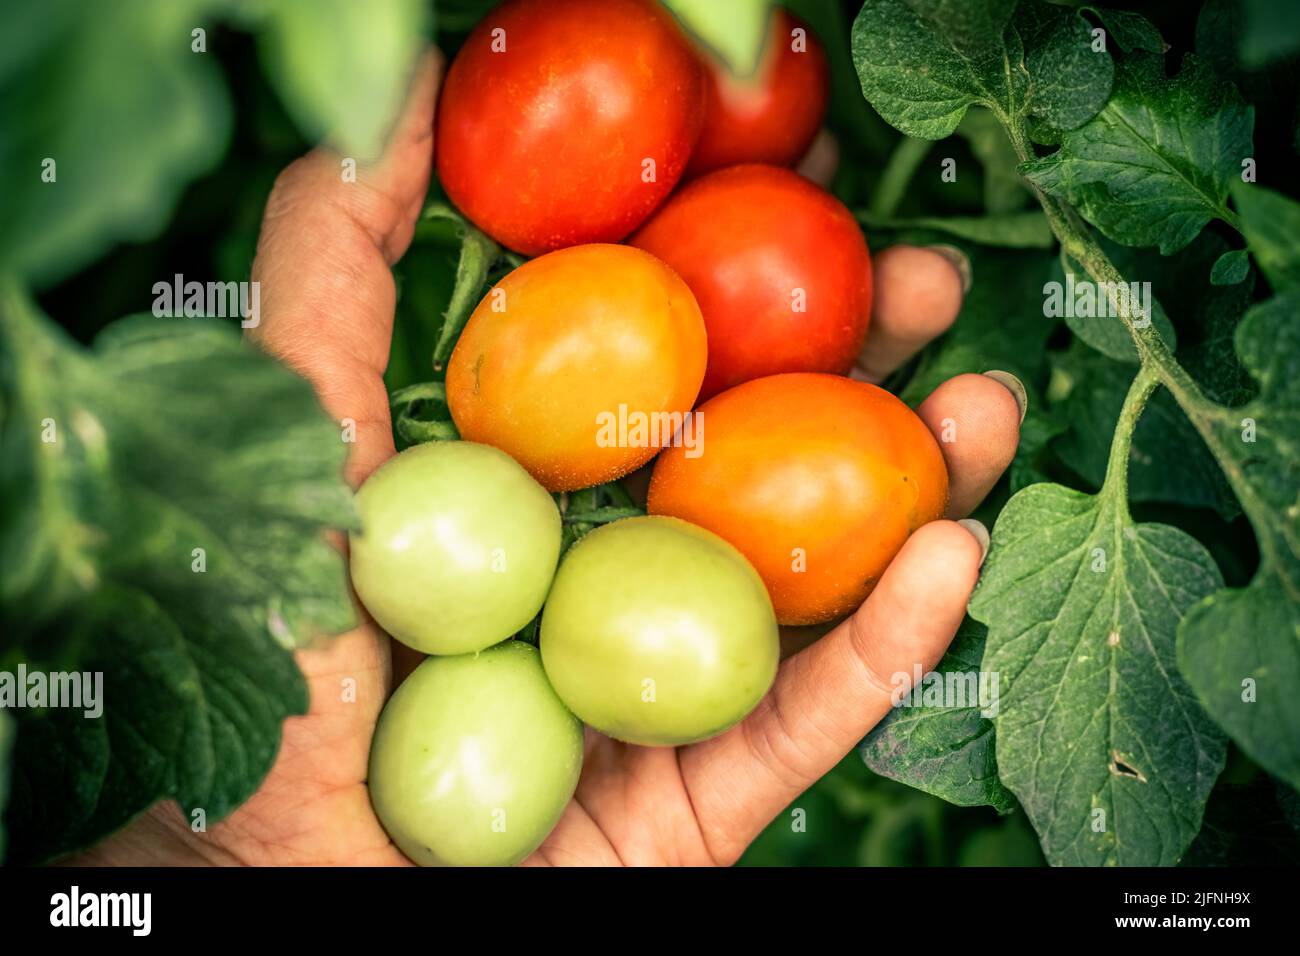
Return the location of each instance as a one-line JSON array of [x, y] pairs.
[[715, 341]]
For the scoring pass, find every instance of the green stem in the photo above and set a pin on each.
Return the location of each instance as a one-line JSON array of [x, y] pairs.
[[1121, 445], [1205, 415], [477, 254], [601, 515], [902, 165]]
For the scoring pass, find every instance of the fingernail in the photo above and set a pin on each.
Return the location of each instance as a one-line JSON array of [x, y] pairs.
[[1014, 386], [979, 533], [960, 261]]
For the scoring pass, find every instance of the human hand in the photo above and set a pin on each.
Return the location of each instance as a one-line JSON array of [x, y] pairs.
[[324, 263]]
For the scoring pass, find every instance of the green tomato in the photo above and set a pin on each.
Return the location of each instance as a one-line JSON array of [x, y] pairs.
[[658, 632], [474, 759], [457, 548]]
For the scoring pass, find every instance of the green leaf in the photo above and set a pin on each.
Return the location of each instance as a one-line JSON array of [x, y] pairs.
[[945, 750], [1271, 224], [1097, 734], [923, 63], [343, 68], [1132, 31], [112, 95], [734, 30], [165, 497], [1230, 268], [1240, 648], [1071, 80], [1000, 326], [1016, 230], [1154, 166]]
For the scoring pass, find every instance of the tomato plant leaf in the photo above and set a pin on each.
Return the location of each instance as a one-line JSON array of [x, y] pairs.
[[734, 30], [166, 495], [1230, 268], [1240, 648], [1098, 736], [947, 751], [127, 136], [1154, 166], [1131, 31], [923, 63], [343, 68], [1071, 79], [1271, 225]]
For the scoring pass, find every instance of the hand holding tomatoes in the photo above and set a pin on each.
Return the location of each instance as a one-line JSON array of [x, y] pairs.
[[697, 804]]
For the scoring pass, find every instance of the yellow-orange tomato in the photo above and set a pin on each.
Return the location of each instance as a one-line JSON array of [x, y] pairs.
[[579, 364], [816, 479]]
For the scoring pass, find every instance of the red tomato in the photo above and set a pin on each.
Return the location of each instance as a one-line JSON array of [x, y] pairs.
[[779, 267], [772, 116], [567, 121], [579, 364], [816, 479]]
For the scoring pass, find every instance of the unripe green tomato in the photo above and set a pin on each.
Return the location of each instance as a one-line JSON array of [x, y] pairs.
[[658, 632], [457, 548], [474, 759]]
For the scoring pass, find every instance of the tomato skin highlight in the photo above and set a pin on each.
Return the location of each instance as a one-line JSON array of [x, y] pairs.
[[564, 341], [474, 759], [827, 470], [771, 117], [658, 632], [457, 547], [756, 244], [543, 145]]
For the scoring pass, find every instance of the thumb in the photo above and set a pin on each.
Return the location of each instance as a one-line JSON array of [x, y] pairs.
[[827, 697]]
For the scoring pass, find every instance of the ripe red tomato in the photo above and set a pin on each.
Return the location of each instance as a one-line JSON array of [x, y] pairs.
[[772, 116], [816, 479], [579, 364], [567, 121], [779, 267]]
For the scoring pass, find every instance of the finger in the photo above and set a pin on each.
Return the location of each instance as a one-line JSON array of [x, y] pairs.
[[822, 159], [827, 697], [917, 293], [323, 268], [976, 419]]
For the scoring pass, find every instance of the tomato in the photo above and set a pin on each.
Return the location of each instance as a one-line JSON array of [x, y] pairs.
[[779, 268], [567, 121], [579, 364], [817, 479], [474, 759], [772, 116], [657, 632], [457, 547]]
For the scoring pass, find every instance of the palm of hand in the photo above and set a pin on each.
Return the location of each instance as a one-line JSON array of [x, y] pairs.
[[324, 260]]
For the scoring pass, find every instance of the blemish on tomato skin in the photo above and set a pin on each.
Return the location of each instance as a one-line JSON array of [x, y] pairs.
[[478, 369]]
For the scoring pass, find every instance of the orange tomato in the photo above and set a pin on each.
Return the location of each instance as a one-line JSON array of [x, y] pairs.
[[817, 479], [579, 364]]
